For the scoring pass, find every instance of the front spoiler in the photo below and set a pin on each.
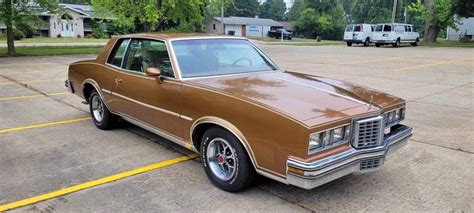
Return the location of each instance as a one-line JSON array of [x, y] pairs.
[[325, 170]]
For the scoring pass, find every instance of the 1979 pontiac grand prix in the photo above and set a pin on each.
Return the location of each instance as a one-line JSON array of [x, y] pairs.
[[225, 99]]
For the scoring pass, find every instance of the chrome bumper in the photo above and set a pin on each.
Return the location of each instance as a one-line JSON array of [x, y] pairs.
[[351, 161], [68, 85]]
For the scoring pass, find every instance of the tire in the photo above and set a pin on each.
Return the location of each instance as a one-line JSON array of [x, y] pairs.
[[377, 45], [220, 150], [100, 114], [366, 42], [397, 43], [349, 44], [415, 43]]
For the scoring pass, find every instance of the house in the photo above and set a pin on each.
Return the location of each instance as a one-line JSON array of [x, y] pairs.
[[74, 21], [465, 26], [242, 26]]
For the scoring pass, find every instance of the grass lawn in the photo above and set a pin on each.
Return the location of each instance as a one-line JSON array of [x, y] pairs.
[[446, 43], [59, 40], [40, 51]]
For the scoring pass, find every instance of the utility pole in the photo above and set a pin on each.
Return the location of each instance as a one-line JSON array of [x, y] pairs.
[[405, 14], [222, 18], [394, 10]]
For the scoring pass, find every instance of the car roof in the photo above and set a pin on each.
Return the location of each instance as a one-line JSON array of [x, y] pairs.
[[178, 36]]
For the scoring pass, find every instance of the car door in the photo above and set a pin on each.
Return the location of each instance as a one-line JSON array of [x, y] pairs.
[[151, 100]]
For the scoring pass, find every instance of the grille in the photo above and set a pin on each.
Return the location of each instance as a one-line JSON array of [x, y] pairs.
[[369, 164], [368, 132]]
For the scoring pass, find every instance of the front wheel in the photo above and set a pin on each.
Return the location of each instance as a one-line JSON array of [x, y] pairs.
[[225, 160], [349, 44], [100, 114], [397, 43], [377, 45], [415, 43]]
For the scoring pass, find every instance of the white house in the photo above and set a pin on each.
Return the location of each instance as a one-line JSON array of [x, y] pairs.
[[242, 26], [75, 21], [466, 26]]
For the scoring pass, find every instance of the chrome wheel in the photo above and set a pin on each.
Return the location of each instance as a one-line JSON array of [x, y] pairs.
[[97, 108], [221, 158]]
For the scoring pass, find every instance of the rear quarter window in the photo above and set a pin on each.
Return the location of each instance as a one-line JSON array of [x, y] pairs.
[[118, 52]]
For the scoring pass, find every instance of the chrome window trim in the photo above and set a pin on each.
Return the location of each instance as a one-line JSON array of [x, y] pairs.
[[138, 72]]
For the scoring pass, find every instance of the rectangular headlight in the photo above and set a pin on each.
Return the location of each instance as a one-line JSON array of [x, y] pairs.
[[393, 117], [329, 138]]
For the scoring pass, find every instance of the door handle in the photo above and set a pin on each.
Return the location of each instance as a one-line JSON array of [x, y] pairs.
[[118, 81]]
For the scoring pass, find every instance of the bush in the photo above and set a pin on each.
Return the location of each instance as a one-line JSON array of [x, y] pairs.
[[98, 31], [465, 38], [3, 36], [18, 34], [27, 29]]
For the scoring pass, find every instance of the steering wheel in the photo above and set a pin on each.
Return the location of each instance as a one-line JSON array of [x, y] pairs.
[[242, 59]]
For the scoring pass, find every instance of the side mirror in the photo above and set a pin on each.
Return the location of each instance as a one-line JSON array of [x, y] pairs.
[[153, 72]]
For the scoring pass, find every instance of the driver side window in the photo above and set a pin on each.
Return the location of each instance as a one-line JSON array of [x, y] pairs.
[[143, 54]]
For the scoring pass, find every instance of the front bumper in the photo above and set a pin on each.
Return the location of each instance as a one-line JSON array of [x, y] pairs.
[[351, 161], [68, 85]]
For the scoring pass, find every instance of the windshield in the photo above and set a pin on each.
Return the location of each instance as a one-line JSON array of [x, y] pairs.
[[211, 57], [349, 28], [379, 28]]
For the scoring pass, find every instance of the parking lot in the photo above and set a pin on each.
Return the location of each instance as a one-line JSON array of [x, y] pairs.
[[48, 143]]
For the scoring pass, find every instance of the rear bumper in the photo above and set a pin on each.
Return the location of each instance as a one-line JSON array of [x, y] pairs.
[[351, 161], [68, 85], [353, 40]]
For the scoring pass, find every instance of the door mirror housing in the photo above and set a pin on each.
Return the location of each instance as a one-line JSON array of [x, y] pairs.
[[153, 72]]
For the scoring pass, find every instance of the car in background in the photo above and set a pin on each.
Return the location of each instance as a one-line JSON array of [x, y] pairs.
[[358, 34], [280, 32], [395, 34], [222, 97]]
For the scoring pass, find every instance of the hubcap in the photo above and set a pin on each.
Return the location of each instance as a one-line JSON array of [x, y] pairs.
[[221, 159], [97, 108]]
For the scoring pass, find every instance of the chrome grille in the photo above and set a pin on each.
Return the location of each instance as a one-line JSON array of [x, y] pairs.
[[369, 164], [368, 132]]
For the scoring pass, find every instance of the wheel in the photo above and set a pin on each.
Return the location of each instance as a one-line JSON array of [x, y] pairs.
[[415, 43], [225, 160], [101, 116], [366, 42], [349, 44], [377, 45], [397, 43]]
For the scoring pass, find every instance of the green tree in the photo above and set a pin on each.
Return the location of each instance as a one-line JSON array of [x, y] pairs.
[[273, 9], [151, 15], [437, 14], [16, 13], [244, 8], [295, 10], [307, 23], [463, 8]]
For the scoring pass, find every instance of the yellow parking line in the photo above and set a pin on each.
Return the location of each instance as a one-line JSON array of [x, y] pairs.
[[43, 125], [433, 64], [97, 182], [33, 96], [33, 81], [20, 72], [367, 61]]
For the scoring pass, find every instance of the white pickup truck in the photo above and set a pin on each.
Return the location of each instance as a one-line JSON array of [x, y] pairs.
[[395, 34]]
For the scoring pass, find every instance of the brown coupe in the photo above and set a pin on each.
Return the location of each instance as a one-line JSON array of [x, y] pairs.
[[224, 98]]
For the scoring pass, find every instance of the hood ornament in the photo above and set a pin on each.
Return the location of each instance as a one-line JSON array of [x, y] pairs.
[[371, 101]]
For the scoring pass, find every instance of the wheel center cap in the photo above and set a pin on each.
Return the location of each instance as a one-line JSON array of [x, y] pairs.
[[220, 159]]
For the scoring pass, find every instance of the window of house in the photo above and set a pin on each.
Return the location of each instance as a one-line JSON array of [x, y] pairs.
[[214, 26], [118, 53]]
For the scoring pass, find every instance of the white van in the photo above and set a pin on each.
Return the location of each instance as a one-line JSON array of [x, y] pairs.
[[358, 34], [395, 34]]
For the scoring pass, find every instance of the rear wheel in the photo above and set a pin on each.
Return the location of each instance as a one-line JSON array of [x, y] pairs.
[[100, 114], [397, 43], [366, 42], [349, 44], [225, 160], [415, 43]]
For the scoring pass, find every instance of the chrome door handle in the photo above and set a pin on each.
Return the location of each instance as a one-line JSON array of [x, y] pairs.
[[118, 81]]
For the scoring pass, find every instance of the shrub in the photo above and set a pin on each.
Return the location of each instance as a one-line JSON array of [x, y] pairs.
[[27, 29], [464, 37], [3, 36], [18, 34]]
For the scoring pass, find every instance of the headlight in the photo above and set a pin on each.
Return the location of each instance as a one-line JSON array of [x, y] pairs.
[[329, 138], [393, 117]]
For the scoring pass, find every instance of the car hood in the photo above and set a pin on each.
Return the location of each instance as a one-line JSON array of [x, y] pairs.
[[301, 96]]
